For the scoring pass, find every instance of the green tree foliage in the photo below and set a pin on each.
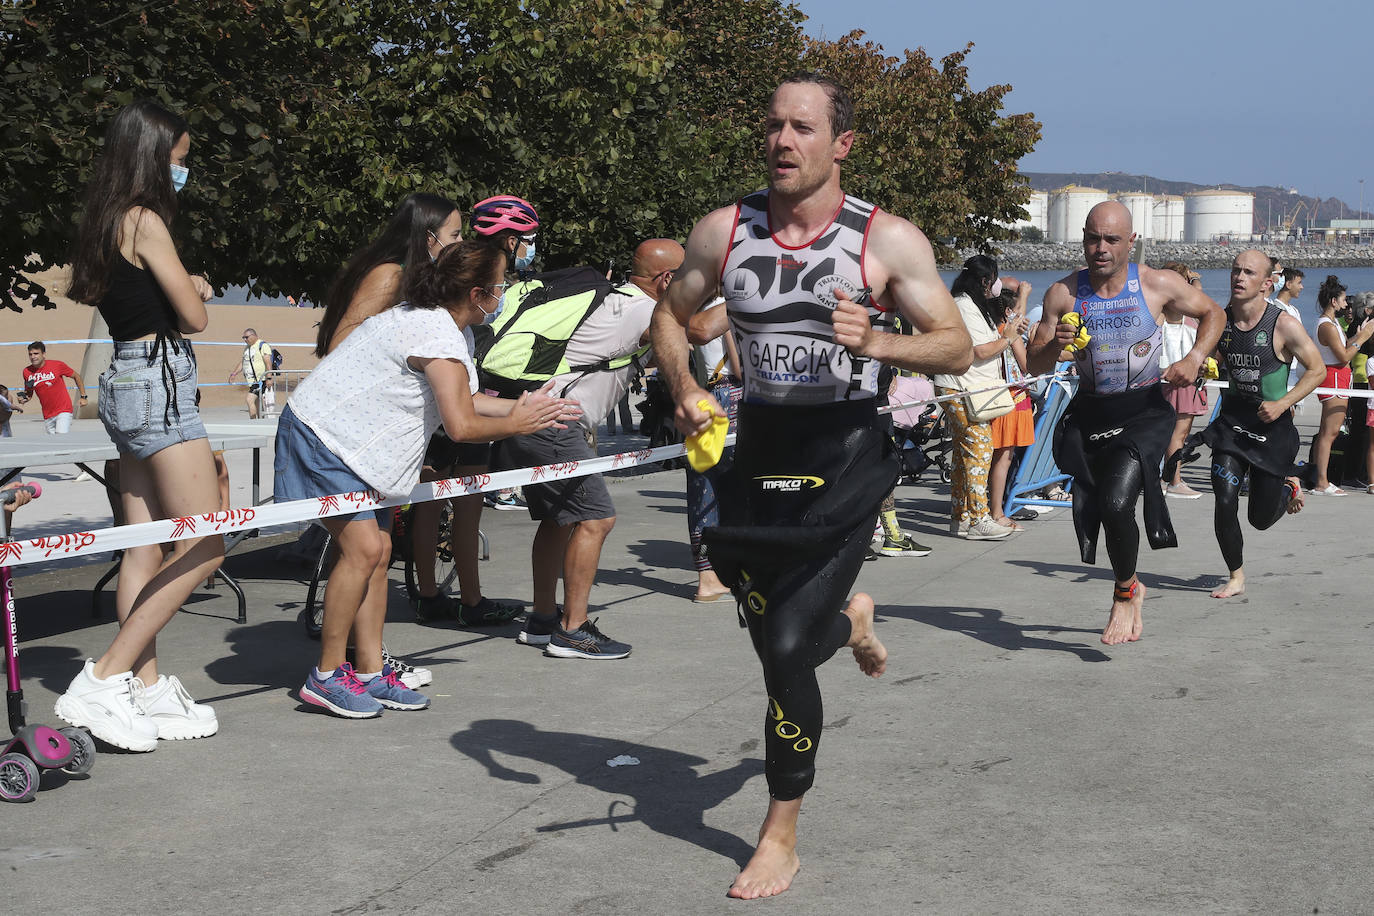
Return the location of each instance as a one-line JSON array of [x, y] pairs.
[[311, 119], [927, 146]]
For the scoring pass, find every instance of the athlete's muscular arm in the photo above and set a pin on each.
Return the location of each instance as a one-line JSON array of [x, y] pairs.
[[693, 284], [901, 266], [708, 324], [1294, 342], [1051, 335], [1169, 289]]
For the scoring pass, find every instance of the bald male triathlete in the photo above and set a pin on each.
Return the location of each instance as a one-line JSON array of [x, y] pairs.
[[1115, 430], [808, 273], [1253, 431]]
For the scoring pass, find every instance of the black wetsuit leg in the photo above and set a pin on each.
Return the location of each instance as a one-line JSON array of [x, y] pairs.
[[1119, 485], [1268, 501], [795, 628], [1227, 473]]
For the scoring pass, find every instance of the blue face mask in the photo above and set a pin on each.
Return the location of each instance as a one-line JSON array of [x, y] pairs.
[[490, 317], [526, 262], [179, 173], [1278, 284]]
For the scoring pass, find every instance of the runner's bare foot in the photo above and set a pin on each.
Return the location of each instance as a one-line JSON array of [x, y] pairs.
[[770, 871], [1124, 623], [868, 651], [1295, 500], [1234, 586]]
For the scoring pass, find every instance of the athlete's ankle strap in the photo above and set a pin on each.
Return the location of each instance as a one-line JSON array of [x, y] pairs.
[[1125, 592]]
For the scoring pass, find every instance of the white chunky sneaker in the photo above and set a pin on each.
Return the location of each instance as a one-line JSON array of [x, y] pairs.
[[413, 676], [176, 715], [108, 709]]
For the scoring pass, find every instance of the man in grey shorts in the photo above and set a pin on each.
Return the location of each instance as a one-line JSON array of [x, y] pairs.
[[575, 515]]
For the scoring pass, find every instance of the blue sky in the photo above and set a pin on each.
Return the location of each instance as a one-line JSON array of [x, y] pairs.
[[1260, 93]]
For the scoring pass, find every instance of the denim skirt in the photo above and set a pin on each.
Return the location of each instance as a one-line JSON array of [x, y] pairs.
[[148, 396], [304, 467]]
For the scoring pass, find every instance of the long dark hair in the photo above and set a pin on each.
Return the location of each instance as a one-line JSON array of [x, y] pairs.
[[133, 170], [404, 241], [1331, 290], [979, 271], [459, 269]]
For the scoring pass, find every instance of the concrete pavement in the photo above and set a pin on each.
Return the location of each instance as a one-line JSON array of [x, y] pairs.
[[1006, 763]]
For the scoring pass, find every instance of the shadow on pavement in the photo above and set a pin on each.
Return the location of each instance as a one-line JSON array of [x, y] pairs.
[[988, 625], [667, 794], [1082, 573]]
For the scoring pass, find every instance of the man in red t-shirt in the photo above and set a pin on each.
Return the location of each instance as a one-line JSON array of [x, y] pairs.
[[43, 377]]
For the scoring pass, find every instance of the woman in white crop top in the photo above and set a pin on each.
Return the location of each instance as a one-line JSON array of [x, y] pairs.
[[1337, 352]]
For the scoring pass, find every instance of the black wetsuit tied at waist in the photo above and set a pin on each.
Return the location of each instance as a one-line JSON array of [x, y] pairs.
[[805, 478], [1238, 430], [1096, 437]]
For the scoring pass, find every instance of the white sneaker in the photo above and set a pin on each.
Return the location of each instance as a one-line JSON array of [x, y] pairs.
[[108, 709], [413, 676], [176, 715], [987, 530]]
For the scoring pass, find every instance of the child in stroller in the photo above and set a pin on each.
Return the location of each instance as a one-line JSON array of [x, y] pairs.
[[919, 429]]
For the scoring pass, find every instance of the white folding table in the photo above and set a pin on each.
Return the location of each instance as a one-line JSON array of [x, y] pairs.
[[87, 444]]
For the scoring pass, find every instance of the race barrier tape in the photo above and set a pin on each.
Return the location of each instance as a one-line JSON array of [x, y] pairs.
[[104, 540], [107, 340]]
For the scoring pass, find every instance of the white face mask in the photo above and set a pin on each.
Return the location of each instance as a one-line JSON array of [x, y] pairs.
[[996, 289]]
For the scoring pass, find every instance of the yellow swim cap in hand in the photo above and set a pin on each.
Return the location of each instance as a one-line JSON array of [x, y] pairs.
[[1210, 370], [704, 448], [1081, 339]]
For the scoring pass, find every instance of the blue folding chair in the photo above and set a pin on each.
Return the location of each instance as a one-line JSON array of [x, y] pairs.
[[1035, 469]]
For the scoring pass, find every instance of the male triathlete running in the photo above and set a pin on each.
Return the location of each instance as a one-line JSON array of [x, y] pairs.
[[805, 270], [1253, 431], [1115, 430]]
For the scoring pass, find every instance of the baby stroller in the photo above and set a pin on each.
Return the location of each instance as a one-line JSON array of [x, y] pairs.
[[919, 430]]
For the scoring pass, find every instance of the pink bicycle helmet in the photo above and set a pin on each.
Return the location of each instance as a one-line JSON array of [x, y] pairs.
[[504, 211]]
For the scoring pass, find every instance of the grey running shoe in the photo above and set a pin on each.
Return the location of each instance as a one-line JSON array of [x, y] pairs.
[[585, 642]]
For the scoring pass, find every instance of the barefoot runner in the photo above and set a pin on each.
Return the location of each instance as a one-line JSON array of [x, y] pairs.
[[812, 465], [1253, 431], [1114, 432]]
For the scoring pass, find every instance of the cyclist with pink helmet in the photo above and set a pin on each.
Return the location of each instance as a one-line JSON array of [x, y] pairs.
[[511, 222]]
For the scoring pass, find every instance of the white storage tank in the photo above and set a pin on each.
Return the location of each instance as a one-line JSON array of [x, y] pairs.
[[1038, 207], [1167, 225], [1069, 208], [1142, 207], [1210, 215]]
